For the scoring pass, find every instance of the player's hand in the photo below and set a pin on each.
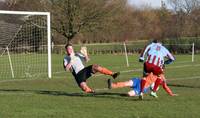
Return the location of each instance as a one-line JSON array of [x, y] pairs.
[[174, 94], [163, 67], [68, 67], [84, 51], [169, 61]]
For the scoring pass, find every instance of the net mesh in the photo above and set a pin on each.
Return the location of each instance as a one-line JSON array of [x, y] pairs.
[[24, 37]]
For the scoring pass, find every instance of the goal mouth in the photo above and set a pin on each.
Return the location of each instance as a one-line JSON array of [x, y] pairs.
[[25, 44]]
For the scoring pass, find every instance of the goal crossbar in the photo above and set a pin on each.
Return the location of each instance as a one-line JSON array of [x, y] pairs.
[[24, 12]]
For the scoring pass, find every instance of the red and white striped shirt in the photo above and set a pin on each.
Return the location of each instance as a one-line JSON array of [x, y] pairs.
[[156, 54]]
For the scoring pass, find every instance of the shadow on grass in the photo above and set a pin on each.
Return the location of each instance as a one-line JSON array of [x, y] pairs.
[[108, 95]]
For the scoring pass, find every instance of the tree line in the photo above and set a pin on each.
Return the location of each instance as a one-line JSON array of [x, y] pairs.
[[102, 21]]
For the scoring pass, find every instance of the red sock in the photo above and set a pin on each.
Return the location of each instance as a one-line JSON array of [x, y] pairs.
[[157, 83], [142, 84]]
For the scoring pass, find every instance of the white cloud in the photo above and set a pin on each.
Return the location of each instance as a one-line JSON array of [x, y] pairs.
[[140, 3]]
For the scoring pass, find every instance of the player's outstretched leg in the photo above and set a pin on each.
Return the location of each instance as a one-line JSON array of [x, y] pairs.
[[102, 70], [86, 88], [119, 84]]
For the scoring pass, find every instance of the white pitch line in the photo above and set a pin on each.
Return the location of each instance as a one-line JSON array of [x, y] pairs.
[[125, 71], [59, 72], [138, 70]]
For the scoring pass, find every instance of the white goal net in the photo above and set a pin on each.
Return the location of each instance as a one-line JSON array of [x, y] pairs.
[[25, 44]]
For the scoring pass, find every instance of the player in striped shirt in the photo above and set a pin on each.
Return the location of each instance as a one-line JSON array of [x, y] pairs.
[[156, 54], [74, 63]]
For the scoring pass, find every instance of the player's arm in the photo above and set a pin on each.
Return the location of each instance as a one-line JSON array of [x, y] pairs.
[[143, 53], [167, 89], [67, 65], [169, 56]]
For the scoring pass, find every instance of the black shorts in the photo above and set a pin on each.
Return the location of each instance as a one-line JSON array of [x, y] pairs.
[[83, 75]]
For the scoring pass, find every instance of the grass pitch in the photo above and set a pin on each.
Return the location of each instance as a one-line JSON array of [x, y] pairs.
[[60, 97]]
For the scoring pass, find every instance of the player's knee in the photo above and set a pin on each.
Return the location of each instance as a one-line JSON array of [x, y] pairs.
[[95, 67], [129, 83], [131, 93]]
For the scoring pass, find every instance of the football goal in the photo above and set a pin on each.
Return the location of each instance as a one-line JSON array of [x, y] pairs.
[[25, 44]]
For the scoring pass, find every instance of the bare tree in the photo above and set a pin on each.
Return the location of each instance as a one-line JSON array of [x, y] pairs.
[[70, 17], [186, 21]]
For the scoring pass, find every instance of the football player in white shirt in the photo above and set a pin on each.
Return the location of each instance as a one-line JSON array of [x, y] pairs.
[[156, 53], [73, 62]]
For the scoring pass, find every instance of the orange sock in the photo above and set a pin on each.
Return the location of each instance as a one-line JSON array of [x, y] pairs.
[[104, 71], [119, 85]]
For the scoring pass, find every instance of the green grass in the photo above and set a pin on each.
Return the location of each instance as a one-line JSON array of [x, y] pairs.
[[23, 65], [60, 97]]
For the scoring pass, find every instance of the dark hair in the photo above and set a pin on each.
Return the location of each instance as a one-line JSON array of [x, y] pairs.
[[67, 45], [155, 41]]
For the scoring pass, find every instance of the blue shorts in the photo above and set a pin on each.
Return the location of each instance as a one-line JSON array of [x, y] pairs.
[[137, 86]]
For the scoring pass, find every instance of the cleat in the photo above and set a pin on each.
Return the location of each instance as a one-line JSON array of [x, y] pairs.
[[115, 75], [109, 84], [153, 94], [141, 97]]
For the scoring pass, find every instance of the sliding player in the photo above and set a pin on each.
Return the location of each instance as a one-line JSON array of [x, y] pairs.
[[154, 62], [135, 84], [73, 62]]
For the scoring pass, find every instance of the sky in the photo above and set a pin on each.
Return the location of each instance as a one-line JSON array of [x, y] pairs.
[[153, 3]]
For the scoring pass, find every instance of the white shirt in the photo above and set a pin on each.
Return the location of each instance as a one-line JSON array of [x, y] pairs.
[[156, 54], [76, 61]]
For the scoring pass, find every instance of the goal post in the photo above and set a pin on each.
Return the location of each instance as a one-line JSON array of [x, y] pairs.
[[26, 37], [126, 55], [184, 48], [193, 52]]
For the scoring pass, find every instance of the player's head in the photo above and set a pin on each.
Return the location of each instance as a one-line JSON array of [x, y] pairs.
[[157, 38], [155, 41], [69, 49]]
